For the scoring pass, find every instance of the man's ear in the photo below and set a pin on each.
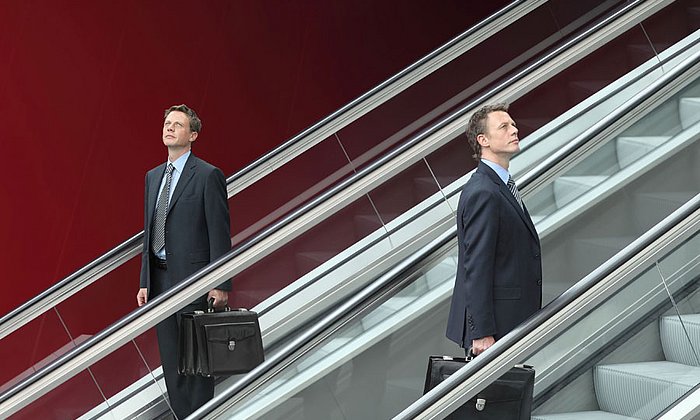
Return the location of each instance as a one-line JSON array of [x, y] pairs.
[[193, 136], [482, 140]]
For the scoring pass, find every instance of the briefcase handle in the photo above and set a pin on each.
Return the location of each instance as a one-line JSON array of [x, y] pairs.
[[210, 307], [471, 356]]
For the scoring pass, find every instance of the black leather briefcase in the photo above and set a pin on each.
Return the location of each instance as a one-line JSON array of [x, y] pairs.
[[219, 343], [507, 398]]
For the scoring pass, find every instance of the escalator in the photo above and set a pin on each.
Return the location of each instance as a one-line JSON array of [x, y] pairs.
[[638, 166], [377, 213], [622, 344]]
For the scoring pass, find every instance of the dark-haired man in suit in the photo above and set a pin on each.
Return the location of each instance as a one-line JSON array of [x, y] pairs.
[[187, 226], [499, 273]]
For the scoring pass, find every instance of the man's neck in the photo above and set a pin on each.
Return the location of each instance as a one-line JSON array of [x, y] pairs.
[[502, 161], [174, 153]]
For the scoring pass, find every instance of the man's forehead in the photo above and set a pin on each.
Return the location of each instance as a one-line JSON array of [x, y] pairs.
[[499, 116], [177, 116]]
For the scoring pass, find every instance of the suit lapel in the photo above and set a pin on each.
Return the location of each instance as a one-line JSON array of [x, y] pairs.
[[153, 188], [521, 210], [510, 198], [187, 173]]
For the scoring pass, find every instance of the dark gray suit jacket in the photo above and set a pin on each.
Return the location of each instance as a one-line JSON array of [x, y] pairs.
[[499, 273], [197, 227]]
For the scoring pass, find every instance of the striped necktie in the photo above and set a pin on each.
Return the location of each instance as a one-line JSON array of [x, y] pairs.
[[158, 236], [514, 190]]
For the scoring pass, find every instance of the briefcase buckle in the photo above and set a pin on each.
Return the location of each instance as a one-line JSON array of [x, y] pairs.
[[480, 404], [231, 345]]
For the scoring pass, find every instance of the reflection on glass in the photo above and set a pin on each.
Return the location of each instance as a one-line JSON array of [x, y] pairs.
[[113, 387], [32, 347], [365, 368], [288, 187], [70, 400], [403, 191]]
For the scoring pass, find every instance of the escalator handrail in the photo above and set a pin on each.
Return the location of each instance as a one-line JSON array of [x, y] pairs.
[[598, 274], [569, 296], [130, 324], [276, 158], [595, 103], [525, 181], [522, 182]]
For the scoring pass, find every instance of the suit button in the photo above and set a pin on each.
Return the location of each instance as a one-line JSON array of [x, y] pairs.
[[539, 282]]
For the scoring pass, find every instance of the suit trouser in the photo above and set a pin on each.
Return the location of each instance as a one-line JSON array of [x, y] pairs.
[[186, 393]]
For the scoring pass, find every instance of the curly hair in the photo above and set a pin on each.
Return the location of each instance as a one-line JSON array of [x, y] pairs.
[[195, 122], [477, 125]]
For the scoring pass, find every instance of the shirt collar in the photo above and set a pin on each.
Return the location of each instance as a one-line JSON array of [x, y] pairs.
[[179, 163], [500, 170]]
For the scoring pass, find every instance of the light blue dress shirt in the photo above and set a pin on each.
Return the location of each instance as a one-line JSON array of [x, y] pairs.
[[500, 170], [178, 166]]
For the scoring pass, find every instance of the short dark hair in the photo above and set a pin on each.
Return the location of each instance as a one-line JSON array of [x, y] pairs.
[[195, 122], [477, 125]]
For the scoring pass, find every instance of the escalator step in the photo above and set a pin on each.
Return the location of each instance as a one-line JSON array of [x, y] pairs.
[[583, 415], [642, 389], [675, 342]]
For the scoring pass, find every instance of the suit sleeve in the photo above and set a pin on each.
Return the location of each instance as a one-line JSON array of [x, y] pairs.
[[217, 216], [480, 221], [144, 254]]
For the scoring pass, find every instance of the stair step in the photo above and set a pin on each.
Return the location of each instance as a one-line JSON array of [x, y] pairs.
[[689, 109], [568, 188], [583, 415], [674, 341], [629, 149], [642, 389]]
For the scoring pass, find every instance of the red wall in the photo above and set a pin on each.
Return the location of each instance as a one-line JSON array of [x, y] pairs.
[[83, 85]]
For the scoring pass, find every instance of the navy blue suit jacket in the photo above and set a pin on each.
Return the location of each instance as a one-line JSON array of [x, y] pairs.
[[499, 273], [197, 227]]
